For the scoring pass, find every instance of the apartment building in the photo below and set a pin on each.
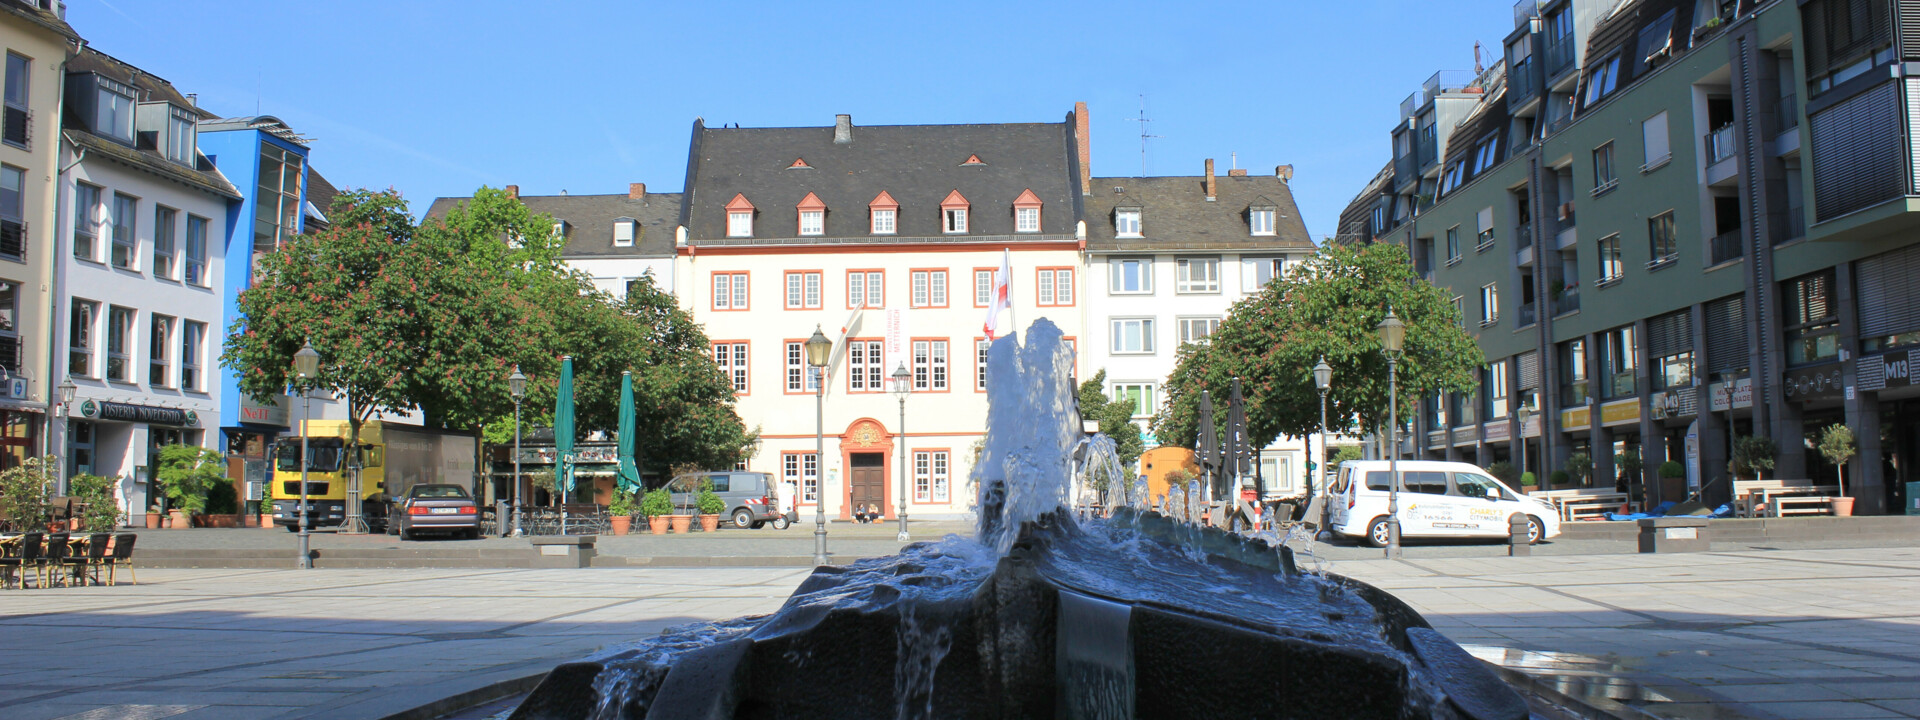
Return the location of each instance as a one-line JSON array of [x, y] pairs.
[[1751, 274]]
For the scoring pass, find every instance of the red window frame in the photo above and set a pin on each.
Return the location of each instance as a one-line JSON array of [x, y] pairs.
[[1055, 272], [948, 282], [784, 297], [735, 277], [866, 295], [746, 368]]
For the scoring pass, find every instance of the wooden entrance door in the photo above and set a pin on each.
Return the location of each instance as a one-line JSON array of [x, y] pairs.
[[867, 478]]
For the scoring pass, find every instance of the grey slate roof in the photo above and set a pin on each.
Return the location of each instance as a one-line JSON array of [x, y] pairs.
[[151, 88], [1175, 214], [590, 220], [918, 165], [46, 19]]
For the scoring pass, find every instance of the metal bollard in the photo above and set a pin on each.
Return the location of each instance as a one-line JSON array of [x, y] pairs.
[[1517, 544]]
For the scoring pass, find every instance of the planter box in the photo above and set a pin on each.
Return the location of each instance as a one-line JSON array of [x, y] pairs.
[[563, 551], [1675, 534]]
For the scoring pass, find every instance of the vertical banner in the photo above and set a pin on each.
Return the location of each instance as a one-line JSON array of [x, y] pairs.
[[896, 345]]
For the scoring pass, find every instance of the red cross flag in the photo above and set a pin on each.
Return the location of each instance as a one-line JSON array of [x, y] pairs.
[[1002, 280]]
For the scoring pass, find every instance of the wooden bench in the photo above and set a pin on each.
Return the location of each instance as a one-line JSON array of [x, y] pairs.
[[1780, 497], [1582, 503]]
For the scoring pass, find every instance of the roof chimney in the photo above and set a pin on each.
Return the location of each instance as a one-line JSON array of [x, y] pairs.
[[1082, 136], [1284, 172], [1210, 190], [842, 129], [1237, 172], [636, 191], [513, 191]]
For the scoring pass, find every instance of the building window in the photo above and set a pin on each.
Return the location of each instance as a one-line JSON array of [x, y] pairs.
[[276, 215], [196, 250], [160, 352], [740, 224], [982, 287], [120, 343], [1256, 272], [113, 111], [123, 239], [803, 290], [1601, 80], [813, 222], [14, 127], [624, 231], [86, 221], [883, 221], [1195, 329], [865, 288], [1026, 219], [732, 359], [1844, 39], [1489, 304], [1660, 241], [866, 366], [1610, 265], [1620, 356], [180, 135], [10, 351], [1812, 327], [1485, 239], [1132, 275], [1653, 134], [1453, 244], [1260, 220], [1140, 395], [1126, 222], [729, 291], [163, 221], [930, 365], [1460, 310], [13, 221], [930, 476], [1673, 371], [955, 219], [798, 372], [1197, 275], [192, 338], [1133, 335], [1573, 372], [803, 470], [981, 346], [1056, 286], [929, 288], [1603, 178], [1496, 393], [80, 338]]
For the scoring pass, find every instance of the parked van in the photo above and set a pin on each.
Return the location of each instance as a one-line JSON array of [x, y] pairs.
[[1437, 499], [750, 496]]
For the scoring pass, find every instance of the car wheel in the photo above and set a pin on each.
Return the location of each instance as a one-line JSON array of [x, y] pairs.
[[743, 519], [781, 523], [1378, 533], [1533, 530]]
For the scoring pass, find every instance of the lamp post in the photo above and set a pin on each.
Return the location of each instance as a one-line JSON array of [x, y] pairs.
[[1392, 334], [67, 389], [516, 386], [1524, 412], [819, 351], [1726, 390], [903, 386], [306, 364], [1322, 381]]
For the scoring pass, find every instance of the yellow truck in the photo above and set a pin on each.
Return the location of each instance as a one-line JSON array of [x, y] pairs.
[[391, 458]]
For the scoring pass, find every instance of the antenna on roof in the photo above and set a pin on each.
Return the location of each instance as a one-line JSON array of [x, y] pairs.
[[1144, 135]]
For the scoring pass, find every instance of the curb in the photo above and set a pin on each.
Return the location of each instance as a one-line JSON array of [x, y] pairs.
[[1581, 708], [461, 701]]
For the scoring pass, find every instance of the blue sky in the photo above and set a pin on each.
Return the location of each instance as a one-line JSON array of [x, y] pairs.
[[437, 98]]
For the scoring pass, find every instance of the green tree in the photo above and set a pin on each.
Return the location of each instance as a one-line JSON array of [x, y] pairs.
[[1115, 418], [102, 513], [23, 493], [1836, 443], [1327, 306], [187, 473]]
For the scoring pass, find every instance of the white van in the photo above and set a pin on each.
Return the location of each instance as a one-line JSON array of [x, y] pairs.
[[1437, 499]]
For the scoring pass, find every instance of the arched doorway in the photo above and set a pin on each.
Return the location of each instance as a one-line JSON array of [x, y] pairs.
[[866, 451]]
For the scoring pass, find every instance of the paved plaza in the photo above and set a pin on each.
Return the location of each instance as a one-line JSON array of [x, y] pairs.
[[1805, 633]]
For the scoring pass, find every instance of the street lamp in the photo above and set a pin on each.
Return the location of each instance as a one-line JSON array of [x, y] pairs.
[[903, 386], [1322, 381], [516, 386], [1392, 334], [67, 389], [1524, 412], [819, 351], [306, 364]]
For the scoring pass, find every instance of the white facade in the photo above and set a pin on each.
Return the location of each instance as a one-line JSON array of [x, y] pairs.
[[929, 317], [138, 327], [611, 274]]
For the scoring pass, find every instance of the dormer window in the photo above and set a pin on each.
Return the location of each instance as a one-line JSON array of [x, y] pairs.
[[1260, 217], [1601, 80], [180, 135], [1026, 212], [113, 110], [883, 214], [953, 213], [1126, 222], [739, 217], [813, 215], [560, 229], [624, 231]]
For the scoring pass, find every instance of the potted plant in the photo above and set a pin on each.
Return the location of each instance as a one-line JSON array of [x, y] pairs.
[[186, 474], [1673, 483], [1630, 466], [710, 506], [101, 511], [621, 510], [681, 519], [1580, 468], [1753, 455], [656, 505], [153, 516], [22, 506], [1836, 442], [1528, 482], [223, 506], [1558, 478]]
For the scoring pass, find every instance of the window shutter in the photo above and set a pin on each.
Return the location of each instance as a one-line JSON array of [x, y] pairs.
[[1654, 133], [1529, 370], [1890, 297], [1670, 334], [1726, 334], [1857, 160], [1486, 219]]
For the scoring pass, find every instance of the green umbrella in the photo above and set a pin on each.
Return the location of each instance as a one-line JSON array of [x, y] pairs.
[[629, 471], [563, 427]]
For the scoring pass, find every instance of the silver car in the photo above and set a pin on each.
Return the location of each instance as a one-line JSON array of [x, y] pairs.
[[436, 507], [750, 497]]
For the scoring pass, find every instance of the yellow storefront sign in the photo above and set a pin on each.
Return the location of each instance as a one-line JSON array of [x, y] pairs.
[[1620, 412], [1575, 418]]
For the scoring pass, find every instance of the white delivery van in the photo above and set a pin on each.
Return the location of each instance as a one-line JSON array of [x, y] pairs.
[[1437, 500]]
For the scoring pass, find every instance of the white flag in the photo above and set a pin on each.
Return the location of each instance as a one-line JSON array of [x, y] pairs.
[[1002, 291]]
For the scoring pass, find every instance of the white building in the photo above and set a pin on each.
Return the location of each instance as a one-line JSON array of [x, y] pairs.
[[1167, 257], [138, 277]]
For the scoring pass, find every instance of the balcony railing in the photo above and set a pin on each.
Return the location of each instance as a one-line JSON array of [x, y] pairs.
[[1719, 145], [1568, 301], [1523, 236], [1788, 110], [1525, 10], [1409, 105], [1559, 55], [1520, 86], [1446, 81], [1725, 247], [1429, 150], [1527, 315]]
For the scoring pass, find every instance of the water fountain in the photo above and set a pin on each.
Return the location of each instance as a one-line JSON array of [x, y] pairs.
[[1041, 615]]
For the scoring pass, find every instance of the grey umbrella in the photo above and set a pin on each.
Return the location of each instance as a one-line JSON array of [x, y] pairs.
[[1239, 448], [1206, 443]]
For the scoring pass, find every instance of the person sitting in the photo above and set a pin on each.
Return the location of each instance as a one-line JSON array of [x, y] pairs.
[[860, 514]]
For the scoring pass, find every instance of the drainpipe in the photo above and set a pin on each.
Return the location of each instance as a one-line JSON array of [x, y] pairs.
[[53, 269]]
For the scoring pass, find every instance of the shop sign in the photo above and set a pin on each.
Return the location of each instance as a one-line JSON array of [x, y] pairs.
[[254, 412], [127, 412], [1498, 430], [582, 455], [1620, 412], [1815, 383], [1742, 394], [1464, 435], [1579, 418], [1895, 369], [17, 388]]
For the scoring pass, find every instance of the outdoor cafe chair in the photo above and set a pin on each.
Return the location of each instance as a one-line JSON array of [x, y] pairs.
[[22, 556], [122, 555], [52, 559], [84, 566]]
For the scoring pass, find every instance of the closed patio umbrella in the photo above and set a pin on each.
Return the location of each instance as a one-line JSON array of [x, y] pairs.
[[1206, 444], [563, 432], [629, 470]]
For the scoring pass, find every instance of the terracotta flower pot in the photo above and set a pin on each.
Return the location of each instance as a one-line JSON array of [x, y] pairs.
[[266, 520], [709, 523], [153, 521], [179, 519], [57, 526], [680, 522], [621, 524], [657, 524], [1842, 506]]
